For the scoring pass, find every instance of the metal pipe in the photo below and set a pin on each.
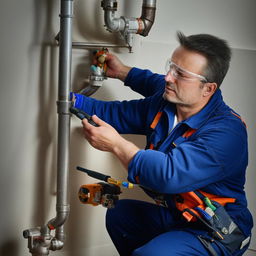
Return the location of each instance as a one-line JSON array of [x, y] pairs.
[[148, 16], [63, 104], [87, 45], [90, 45], [129, 26], [113, 24]]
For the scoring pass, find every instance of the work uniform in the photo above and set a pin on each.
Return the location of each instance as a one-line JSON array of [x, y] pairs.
[[213, 158]]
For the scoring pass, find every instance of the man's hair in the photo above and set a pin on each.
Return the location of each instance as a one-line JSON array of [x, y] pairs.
[[216, 51]]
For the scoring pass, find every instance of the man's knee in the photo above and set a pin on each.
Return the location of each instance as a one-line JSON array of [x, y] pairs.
[[116, 217]]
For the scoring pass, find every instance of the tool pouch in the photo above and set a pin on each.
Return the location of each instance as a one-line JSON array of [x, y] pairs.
[[232, 235]]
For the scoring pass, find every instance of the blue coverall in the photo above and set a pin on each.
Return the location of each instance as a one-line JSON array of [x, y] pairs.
[[213, 159]]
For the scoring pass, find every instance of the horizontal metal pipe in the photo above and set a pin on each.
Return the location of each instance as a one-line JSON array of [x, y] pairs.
[[85, 45], [88, 45]]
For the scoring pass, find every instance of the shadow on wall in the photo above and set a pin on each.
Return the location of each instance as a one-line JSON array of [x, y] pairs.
[[82, 69], [9, 248], [40, 48], [46, 152]]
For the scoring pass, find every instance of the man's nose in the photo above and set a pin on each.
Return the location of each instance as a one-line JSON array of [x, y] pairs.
[[169, 77]]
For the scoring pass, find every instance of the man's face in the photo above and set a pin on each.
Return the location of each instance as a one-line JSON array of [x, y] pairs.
[[184, 85]]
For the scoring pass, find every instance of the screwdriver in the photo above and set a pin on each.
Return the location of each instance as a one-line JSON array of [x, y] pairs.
[[107, 178]]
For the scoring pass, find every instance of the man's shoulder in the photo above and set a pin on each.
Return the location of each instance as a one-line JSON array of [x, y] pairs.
[[225, 119]]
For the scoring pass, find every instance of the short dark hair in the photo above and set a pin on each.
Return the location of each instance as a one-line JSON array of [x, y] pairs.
[[216, 51]]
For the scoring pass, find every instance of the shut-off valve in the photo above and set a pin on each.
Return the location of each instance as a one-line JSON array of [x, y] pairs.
[[98, 73]]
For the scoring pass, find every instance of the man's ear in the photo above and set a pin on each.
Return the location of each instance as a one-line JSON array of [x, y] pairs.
[[209, 89]]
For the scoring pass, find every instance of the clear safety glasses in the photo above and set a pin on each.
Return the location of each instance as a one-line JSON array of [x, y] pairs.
[[181, 73]]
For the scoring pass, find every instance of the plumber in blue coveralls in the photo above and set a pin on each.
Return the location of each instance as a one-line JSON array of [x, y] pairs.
[[195, 160]]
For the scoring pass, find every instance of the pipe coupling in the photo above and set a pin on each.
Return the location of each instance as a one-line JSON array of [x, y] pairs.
[[109, 5], [63, 107]]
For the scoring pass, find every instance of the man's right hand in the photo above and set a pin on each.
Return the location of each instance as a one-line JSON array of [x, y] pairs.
[[115, 68]]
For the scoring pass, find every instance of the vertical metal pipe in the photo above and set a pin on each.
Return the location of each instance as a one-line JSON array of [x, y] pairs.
[[65, 49], [63, 104]]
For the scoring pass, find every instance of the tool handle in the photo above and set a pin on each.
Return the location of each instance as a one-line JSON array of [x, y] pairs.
[[81, 115], [94, 174]]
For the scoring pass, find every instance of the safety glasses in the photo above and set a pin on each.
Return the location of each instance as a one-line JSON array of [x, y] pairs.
[[182, 74]]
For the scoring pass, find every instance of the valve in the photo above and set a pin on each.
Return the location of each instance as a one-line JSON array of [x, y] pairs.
[[98, 73]]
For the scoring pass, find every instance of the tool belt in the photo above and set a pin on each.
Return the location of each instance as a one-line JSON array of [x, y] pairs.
[[209, 210]]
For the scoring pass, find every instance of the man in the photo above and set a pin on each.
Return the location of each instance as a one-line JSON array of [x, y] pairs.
[[195, 142]]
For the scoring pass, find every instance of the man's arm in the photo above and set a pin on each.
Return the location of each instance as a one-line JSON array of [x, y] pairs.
[[127, 117], [144, 82], [214, 155]]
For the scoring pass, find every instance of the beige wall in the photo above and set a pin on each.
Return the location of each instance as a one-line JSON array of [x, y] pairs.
[[29, 73]]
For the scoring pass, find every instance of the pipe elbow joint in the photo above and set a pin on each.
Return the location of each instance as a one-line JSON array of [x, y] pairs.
[[113, 24], [147, 16], [60, 219]]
